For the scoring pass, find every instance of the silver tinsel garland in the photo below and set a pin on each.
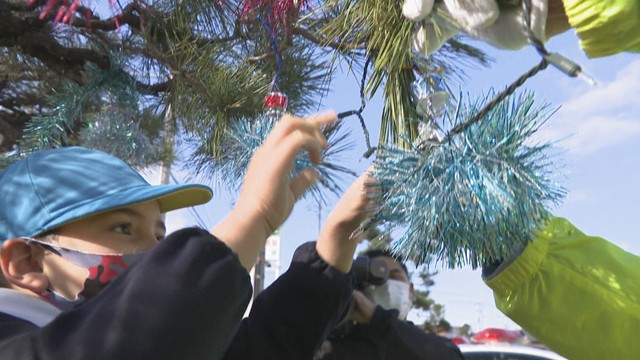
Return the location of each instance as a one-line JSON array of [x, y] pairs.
[[474, 196], [119, 134]]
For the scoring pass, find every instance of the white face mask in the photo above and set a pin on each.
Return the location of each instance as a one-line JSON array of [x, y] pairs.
[[393, 294]]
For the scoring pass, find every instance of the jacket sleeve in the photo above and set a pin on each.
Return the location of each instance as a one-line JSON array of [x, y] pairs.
[[578, 294], [402, 340], [291, 318], [605, 27], [183, 300]]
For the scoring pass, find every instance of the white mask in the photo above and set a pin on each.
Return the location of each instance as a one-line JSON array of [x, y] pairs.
[[393, 294]]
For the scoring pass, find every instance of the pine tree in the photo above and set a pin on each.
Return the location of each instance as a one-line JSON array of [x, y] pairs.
[[81, 76]]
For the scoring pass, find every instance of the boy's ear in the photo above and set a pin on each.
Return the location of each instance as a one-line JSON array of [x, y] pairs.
[[21, 265]]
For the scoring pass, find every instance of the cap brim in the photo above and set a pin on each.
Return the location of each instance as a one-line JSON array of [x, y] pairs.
[[170, 197]]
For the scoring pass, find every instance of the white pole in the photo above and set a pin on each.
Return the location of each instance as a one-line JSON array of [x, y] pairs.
[[169, 138]]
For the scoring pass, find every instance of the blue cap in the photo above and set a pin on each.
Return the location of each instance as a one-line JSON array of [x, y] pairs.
[[55, 187]]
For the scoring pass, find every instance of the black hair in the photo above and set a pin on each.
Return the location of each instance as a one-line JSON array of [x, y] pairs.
[[372, 253]]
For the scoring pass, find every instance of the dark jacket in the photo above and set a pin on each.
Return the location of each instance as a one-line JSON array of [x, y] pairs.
[[185, 300], [388, 338]]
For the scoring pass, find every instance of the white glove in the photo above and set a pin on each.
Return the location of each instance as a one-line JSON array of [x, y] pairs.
[[508, 30], [482, 19], [416, 10], [472, 14], [432, 34]]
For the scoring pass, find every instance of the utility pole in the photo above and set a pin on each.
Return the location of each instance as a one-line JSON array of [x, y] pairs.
[[479, 308], [258, 273], [168, 140], [319, 215], [268, 263]]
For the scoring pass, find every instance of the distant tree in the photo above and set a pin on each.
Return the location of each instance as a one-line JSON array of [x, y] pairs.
[[423, 302], [465, 331]]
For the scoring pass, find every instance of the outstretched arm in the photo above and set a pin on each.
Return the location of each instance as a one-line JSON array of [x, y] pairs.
[[336, 245], [577, 294], [268, 194], [291, 318]]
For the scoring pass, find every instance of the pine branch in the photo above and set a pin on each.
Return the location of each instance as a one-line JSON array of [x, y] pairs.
[[319, 40], [130, 15], [254, 59], [34, 38]]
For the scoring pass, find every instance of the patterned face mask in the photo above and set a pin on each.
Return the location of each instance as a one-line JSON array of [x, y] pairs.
[[102, 269]]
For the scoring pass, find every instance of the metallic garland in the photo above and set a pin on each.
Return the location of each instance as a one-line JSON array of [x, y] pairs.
[[473, 197]]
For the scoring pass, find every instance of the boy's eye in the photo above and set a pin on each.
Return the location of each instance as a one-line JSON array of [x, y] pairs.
[[123, 228]]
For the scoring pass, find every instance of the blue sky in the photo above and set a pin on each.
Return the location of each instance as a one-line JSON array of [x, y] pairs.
[[599, 161]]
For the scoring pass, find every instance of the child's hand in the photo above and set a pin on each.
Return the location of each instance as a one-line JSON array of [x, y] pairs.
[[335, 244], [268, 194], [267, 190]]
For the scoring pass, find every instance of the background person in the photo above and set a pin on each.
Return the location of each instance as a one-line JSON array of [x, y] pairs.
[[381, 330]]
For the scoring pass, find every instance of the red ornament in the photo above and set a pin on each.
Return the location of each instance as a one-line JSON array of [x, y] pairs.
[[276, 100]]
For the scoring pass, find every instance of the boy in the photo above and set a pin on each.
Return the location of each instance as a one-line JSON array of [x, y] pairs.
[[73, 220]]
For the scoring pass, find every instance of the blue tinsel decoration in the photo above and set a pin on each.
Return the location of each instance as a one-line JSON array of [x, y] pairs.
[[243, 137], [476, 196], [106, 109]]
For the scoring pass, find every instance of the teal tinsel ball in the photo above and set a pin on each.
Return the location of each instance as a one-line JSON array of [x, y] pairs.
[[476, 196]]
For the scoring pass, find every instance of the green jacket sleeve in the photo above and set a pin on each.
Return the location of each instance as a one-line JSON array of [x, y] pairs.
[[605, 27], [577, 294]]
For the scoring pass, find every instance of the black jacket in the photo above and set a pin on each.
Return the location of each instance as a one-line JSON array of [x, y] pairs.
[[185, 300], [388, 338]]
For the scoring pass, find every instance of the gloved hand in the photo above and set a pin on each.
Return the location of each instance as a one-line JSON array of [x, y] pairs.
[[502, 27]]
